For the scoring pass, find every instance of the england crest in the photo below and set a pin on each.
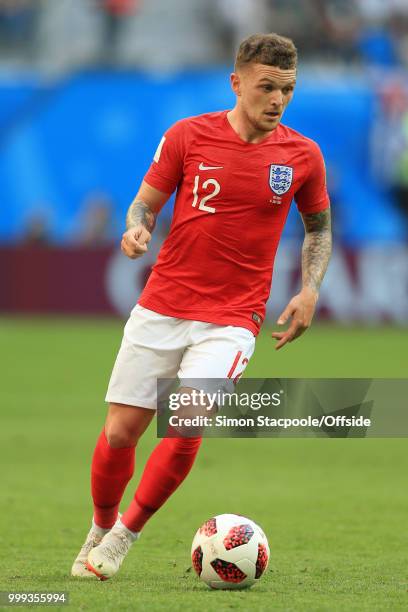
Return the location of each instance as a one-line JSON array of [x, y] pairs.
[[280, 178]]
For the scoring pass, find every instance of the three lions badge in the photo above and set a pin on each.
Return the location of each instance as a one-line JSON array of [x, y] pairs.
[[280, 178]]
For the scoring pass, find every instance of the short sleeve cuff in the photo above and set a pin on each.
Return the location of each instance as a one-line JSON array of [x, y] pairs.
[[159, 182], [314, 208]]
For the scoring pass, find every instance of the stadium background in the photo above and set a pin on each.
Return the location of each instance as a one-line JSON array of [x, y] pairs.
[[87, 88]]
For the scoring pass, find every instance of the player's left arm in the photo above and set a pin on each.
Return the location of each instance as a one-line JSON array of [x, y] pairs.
[[316, 253]]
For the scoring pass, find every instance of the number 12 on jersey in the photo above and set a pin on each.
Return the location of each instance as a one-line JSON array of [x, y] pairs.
[[202, 203]]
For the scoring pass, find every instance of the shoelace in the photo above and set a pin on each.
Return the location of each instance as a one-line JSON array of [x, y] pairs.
[[93, 541], [113, 550]]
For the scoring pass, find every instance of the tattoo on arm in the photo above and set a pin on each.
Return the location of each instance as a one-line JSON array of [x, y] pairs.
[[139, 213], [316, 248]]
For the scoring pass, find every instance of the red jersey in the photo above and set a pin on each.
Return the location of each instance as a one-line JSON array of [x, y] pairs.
[[232, 201]]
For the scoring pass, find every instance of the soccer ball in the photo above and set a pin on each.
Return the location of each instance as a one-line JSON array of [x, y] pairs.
[[230, 552]]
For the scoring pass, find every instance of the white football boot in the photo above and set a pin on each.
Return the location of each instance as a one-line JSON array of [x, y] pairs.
[[105, 559], [93, 538]]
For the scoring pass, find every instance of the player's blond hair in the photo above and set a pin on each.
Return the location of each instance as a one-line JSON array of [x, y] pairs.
[[270, 49]]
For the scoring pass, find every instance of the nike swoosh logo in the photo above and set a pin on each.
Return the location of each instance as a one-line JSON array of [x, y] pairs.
[[203, 167]]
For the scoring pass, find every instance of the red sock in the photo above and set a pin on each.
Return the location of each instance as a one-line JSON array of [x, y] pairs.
[[165, 470], [112, 468]]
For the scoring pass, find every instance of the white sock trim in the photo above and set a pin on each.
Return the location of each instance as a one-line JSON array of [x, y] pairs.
[[134, 535], [100, 530]]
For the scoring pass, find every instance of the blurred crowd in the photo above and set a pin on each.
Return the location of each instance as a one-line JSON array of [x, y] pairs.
[[96, 224], [390, 140], [172, 33], [165, 35]]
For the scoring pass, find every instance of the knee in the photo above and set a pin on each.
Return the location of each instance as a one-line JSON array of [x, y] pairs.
[[124, 425], [119, 436]]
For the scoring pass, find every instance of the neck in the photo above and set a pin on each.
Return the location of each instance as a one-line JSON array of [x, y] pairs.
[[245, 130]]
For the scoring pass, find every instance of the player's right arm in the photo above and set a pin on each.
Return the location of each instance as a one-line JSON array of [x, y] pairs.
[[141, 219], [160, 182]]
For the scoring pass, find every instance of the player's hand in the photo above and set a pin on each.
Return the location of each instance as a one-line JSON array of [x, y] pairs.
[[134, 241], [300, 309]]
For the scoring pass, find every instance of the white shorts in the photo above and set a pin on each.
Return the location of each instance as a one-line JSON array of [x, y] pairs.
[[156, 346]]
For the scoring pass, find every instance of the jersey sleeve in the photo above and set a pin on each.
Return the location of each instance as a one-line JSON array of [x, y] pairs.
[[166, 169], [312, 196]]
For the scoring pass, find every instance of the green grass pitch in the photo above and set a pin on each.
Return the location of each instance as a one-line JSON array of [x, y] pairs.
[[335, 511]]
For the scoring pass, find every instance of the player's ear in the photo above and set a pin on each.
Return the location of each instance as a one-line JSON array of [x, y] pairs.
[[235, 83]]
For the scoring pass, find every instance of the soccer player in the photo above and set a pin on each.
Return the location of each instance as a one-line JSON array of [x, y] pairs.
[[236, 173]]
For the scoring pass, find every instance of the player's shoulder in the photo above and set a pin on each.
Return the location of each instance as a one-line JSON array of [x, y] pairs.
[[288, 134], [208, 119], [203, 121]]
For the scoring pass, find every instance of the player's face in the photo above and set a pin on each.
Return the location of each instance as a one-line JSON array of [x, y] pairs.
[[263, 92]]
